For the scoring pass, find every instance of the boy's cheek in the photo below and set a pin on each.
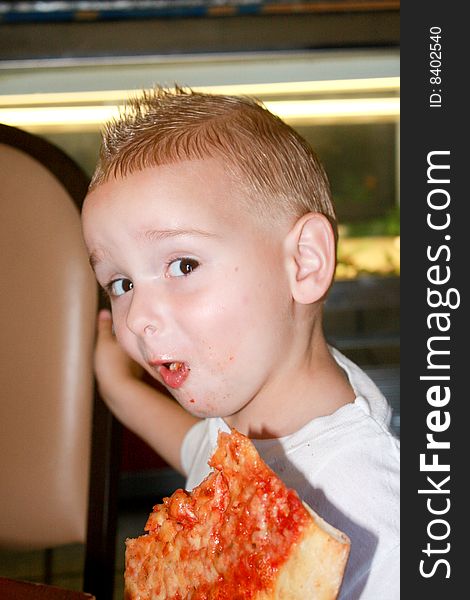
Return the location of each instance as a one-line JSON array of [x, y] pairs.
[[126, 341]]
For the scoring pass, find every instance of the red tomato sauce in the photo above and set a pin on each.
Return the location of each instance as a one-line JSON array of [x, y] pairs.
[[229, 537]]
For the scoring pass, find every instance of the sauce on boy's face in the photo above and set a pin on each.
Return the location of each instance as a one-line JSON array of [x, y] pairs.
[[199, 290]]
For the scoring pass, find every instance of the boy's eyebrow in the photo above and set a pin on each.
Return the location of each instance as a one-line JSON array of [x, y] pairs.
[[163, 234], [93, 260], [159, 234]]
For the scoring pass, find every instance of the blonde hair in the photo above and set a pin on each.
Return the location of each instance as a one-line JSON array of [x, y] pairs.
[[275, 165]]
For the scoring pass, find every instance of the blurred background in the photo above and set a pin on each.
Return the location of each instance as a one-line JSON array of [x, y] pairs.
[[329, 68]]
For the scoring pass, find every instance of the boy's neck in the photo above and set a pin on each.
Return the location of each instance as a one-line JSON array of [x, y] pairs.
[[310, 386]]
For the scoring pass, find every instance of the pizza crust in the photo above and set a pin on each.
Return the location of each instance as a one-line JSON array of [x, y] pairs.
[[315, 568]]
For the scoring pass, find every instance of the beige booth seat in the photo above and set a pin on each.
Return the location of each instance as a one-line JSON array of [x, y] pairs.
[[48, 305]]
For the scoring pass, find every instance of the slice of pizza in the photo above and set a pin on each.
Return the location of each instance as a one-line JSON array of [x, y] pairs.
[[240, 535]]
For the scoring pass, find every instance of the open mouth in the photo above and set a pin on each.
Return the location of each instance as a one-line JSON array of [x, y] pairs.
[[174, 374], [174, 366]]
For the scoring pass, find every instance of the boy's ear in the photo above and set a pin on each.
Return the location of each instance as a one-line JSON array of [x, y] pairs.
[[311, 257]]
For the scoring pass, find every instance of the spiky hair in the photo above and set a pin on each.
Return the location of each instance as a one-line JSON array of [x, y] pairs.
[[276, 167]]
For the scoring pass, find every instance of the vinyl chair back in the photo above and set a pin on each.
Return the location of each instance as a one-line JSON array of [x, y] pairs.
[[48, 452]]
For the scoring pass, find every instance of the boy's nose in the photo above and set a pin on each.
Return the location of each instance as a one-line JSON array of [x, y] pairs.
[[150, 329], [142, 318]]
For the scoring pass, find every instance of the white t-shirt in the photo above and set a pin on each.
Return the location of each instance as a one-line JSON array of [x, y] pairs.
[[346, 467]]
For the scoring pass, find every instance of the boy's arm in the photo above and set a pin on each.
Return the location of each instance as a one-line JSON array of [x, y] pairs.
[[152, 415]]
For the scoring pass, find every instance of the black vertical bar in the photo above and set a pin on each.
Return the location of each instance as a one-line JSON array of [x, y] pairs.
[[48, 566], [434, 250], [100, 552]]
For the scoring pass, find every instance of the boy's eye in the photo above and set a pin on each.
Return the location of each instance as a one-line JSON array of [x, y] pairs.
[[118, 287], [182, 266]]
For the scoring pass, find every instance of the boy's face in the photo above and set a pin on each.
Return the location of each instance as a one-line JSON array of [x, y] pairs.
[[199, 290]]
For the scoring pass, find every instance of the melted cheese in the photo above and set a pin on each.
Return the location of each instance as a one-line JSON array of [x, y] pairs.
[[226, 540]]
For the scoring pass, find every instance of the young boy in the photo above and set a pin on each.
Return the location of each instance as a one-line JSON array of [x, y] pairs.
[[210, 224]]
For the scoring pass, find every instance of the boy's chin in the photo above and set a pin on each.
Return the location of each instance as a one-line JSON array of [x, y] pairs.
[[203, 409]]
